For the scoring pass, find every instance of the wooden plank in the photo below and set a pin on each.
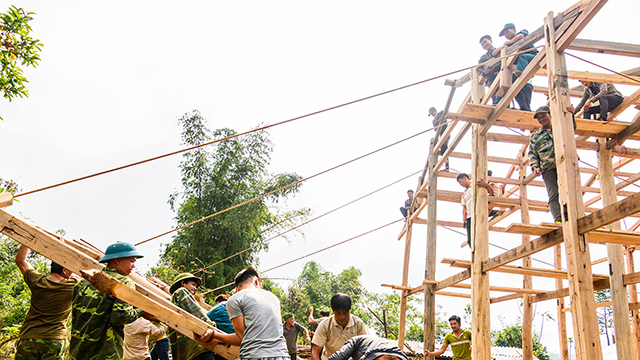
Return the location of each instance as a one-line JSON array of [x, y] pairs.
[[105, 283], [530, 229], [610, 214], [633, 297], [562, 316], [565, 39], [496, 159], [6, 199], [447, 293], [62, 253], [605, 47], [505, 298], [630, 279], [519, 270], [626, 103]]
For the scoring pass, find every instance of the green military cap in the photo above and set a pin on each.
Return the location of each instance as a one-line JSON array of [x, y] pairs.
[[120, 250], [542, 110], [180, 278]]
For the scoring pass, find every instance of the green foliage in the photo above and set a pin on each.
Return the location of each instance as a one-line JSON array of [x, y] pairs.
[[8, 186], [16, 47], [215, 178], [512, 336], [315, 286]]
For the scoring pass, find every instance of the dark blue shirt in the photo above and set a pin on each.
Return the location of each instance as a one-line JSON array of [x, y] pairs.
[[221, 317]]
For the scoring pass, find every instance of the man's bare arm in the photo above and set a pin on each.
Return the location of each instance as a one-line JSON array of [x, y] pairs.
[[21, 259]]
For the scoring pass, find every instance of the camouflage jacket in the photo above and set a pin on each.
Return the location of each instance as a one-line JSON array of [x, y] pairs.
[[542, 154], [182, 347], [98, 319]]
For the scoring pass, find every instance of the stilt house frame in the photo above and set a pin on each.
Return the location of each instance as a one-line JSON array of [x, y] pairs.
[[559, 33]]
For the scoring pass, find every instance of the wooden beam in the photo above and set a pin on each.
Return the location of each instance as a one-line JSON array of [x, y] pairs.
[[6, 199], [562, 316], [605, 47], [405, 282], [505, 298], [105, 283], [530, 248], [585, 322], [615, 254], [623, 135], [598, 284], [496, 159], [598, 77], [429, 324], [609, 214], [522, 80], [633, 297], [69, 257], [462, 276]]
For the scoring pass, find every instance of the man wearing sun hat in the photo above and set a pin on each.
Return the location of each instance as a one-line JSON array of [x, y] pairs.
[[182, 290], [98, 319]]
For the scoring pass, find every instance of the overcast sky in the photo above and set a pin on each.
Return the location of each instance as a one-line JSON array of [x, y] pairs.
[[115, 77]]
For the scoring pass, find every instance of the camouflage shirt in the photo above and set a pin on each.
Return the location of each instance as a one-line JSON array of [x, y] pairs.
[[98, 319], [182, 347], [542, 154]]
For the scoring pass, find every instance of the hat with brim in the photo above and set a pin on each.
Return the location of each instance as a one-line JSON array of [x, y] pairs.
[[287, 316], [507, 26], [542, 110], [182, 277], [120, 250], [433, 110]]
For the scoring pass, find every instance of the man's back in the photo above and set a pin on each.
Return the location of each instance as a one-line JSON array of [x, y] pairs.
[[263, 330], [49, 309], [367, 347]]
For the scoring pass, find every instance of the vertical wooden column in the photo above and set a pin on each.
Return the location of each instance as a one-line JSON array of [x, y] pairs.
[[562, 315], [430, 264], [583, 306], [405, 282], [615, 254], [633, 297], [480, 318], [527, 313]]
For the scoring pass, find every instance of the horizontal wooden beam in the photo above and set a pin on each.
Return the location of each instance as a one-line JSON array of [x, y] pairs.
[[462, 276], [544, 242], [598, 77], [505, 298], [495, 159], [609, 214], [625, 134], [597, 285], [605, 47]]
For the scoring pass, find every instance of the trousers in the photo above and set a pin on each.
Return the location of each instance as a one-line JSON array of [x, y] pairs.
[[550, 177]]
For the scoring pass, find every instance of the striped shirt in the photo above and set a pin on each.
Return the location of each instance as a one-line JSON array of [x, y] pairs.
[[461, 347]]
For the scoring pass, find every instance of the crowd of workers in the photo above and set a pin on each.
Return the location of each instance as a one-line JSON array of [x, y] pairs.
[[598, 100], [105, 327]]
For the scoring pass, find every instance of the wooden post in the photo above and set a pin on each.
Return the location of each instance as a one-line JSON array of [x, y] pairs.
[[405, 282], [633, 298], [480, 299], [430, 264], [562, 315], [506, 72], [527, 311], [615, 254], [583, 305], [384, 323]]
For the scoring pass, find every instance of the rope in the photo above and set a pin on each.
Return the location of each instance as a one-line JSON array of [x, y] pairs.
[[616, 176], [307, 222], [268, 126], [316, 252], [602, 67], [290, 185]]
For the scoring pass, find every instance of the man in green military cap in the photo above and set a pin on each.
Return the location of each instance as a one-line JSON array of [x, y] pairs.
[[542, 158], [182, 291], [290, 331], [43, 334], [98, 319]]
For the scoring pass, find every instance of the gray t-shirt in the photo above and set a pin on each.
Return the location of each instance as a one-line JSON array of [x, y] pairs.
[[291, 335], [263, 330]]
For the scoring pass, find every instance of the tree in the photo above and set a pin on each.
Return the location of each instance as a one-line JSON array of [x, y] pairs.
[[315, 286], [605, 313], [512, 336], [216, 178], [16, 46]]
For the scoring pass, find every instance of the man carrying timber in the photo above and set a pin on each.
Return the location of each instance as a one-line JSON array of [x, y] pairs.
[[43, 334], [182, 291], [98, 319], [255, 314], [607, 94], [334, 332], [460, 341]]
